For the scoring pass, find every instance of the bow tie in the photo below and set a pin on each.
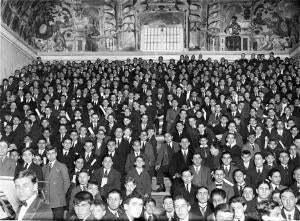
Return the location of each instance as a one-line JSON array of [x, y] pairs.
[[23, 203]]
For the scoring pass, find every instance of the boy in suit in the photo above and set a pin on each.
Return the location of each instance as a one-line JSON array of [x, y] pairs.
[[83, 179], [219, 183], [289, 211], [31, 207], [57, 183], [141, 176], [107, 177], [186, 188], [201, 173], [202, 208]]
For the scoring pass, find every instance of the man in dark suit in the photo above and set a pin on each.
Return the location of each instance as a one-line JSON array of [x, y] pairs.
[[240, 182], [228, 167], [91, 161], [296, 185], [201, 173], [57, 183], [165, 155], [220, 183], [66, 155], [186, 188], [285, 169], [169, 213], [117, 158], [114, 201], [32, 207], [202, 208], [181, 159], [7, 165], [27, 164], [289, 211], [83, 179], [259, 172], [179, 132], [107, 177]]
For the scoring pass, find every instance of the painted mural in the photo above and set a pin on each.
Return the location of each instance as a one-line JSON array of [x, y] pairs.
[[275, 23], [111, 25]]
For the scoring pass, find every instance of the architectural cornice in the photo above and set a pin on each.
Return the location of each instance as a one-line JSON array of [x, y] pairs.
[[17, 42]]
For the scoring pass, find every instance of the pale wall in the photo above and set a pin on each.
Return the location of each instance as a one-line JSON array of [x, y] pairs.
[[14, 54]]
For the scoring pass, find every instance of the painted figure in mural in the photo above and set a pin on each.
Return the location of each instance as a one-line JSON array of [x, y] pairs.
[[233, 42]]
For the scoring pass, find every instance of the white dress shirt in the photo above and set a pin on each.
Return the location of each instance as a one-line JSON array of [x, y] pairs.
[[24, 209]]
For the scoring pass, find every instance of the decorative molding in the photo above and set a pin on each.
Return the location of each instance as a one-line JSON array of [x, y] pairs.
[[215, 55], [17, 42]]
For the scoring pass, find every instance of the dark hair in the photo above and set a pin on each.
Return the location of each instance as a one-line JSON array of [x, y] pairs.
[[100, 203], [28, 149], [224, 207], [27, 173], [149, 200], [263, 182], [219, 192], [272, 171], [129, 179], [265, 207], [115, 191], [49, 148], [132, 196], [287, 190], [83, 196], [237, 199], [180, 197]]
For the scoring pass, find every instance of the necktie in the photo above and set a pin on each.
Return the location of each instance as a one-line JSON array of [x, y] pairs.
[[187, 187], [84, 188], [226, 170], [184, 155], [66, 153], [258, 171], [105, 173], [25, 166], [289, 217], [150, 218], [87, 157], [202, 210]]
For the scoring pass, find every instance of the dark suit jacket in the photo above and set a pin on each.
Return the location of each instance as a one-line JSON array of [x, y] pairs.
[[255, 178], [203, 177], [33, 167], [163, 157], [296, 214], [295, 188], [67, 160], [38, 210], [113, 180], [92, 164], [180, 190], [178, 163], [143, 181], [196, 210], [286, 175]]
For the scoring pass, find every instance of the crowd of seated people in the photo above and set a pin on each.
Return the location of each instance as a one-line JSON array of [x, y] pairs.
[[88, 131]]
